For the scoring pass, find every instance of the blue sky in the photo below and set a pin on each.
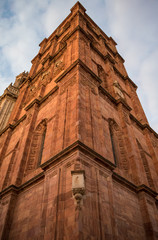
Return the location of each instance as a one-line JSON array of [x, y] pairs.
[[132, 24]]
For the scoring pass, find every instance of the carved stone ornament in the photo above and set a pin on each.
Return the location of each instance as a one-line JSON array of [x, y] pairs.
[[58, 67], [118, 89], [45, 78], [78, 186]]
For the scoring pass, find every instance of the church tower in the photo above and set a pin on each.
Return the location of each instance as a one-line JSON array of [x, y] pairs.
[[78, 159]]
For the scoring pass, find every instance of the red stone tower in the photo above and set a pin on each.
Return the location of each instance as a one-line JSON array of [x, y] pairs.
[[78, 159]]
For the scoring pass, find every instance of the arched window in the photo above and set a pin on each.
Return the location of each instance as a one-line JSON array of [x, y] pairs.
[[103, 76], [118, 146], [7, 180], [113, 142], [146, 165], [37, 146]]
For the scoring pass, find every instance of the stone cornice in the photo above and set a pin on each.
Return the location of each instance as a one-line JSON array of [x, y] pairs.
[[12, 126], [107, 56], [37, 56], [143, 126], [113, 100], [83, 65], [87, 69], [88, 19], [96, 157], [35, 101], [44, 40], [104, 57], [115, 43], [132, 186], [146, 189], [9, 190], [40, 101], [9, 94], [50, 58], [58, 52], [79, 28], [105, 92], [16, 189], [110, 50], [129, 80], [10, 91], [124, 181], [79, 62], [119, 56], [124, 77], [82, 147], [120, 100]]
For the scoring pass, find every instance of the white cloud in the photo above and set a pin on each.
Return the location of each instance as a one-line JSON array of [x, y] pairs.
[[23, 25], [133, 24]]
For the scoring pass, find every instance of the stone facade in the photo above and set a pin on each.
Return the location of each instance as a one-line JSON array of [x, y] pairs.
[[78, 159]]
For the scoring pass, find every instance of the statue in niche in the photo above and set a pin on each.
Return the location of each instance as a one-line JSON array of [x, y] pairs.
[[118, 90]]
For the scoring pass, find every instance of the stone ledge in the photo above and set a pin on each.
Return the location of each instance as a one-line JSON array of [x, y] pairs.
[[97, 157], [143, 126], [40, 101], [83, 65], [80, 146], [130, 185], [12, 126], [17, 189]]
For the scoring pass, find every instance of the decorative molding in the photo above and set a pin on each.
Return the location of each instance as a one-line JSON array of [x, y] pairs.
[[130, 185], [12, 126], [39, 102], [113, 100], [125, 78], [35, 101], [83, 65], [115, 176], [104, 57], [18, 189], [78, 186], [122, 101], [143, 126], [80, 146]]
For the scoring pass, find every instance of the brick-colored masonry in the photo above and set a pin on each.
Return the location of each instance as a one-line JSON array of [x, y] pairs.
[[78, 159]]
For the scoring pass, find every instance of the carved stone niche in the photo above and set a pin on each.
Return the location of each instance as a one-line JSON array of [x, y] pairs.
[[78, 186], [118, 90]]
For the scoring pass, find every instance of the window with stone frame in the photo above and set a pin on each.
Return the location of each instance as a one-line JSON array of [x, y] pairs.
[[36, 148], [118, 146], [8, 177], [144, 159]]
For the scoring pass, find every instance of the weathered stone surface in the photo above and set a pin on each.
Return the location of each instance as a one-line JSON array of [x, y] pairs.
[[78, 113]]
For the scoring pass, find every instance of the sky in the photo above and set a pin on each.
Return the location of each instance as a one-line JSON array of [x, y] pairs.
[[132, 24]]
